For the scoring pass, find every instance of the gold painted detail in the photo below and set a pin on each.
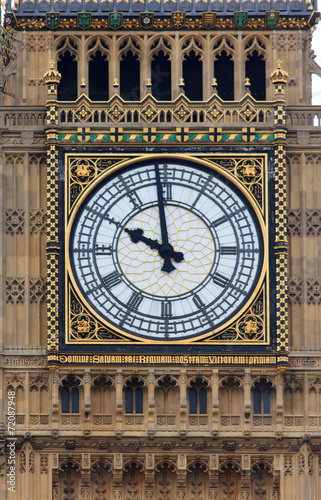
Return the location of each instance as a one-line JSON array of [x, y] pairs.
[[169, 359], [52, 256], [84, 326], [249, 171], [281, 303], [251, 327], [163, 23], [214, 110], [281, 250], [82, 172]]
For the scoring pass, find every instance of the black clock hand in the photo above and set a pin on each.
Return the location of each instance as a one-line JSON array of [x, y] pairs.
[[166, 251], [136, 235]]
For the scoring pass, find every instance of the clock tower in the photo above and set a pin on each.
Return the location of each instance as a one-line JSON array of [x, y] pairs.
[[160, 251]]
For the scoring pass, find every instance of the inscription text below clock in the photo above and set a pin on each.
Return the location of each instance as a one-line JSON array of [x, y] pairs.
[[166, 250]]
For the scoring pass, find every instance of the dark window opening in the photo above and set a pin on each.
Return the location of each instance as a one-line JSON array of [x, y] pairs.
[[134, 397], [67, 88], [161, 77], [70, 400], [262, 398], [129, 77], [224, 74], [75, 400], [98, 77], [65, 400], [255, 71], [193, 77], [198, 397], [129, 400]]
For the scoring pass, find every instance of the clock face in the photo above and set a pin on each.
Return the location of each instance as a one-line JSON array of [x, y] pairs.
[[165, 250]]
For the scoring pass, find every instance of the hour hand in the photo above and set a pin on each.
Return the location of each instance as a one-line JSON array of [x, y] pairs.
[[166, 252], [136, 235]]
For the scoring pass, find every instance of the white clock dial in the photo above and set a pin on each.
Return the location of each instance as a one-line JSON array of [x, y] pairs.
[[166, 250]]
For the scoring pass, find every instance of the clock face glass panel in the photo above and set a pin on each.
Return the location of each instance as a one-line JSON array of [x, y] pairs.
[[213, 254]]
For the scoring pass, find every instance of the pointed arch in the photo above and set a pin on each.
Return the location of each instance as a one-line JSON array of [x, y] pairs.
[[67, 65], [98, 69], [129, 68], [255, 70]]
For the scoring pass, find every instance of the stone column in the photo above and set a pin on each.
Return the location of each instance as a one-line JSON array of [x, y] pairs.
[[247, 401], [117, 476], [246, 477], [181, 476], [85, 477], [55, 398], [213, 478], [151, 403], [119, 380], [215, 400], [149, 476], [183, 403]]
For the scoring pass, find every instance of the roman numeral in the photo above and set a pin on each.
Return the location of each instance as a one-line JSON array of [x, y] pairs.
[[220, 280], [166, 309], [103, 249], [168, 191], [134, 301], [112, 279], [228, 250], [220, 221], [198, 301]]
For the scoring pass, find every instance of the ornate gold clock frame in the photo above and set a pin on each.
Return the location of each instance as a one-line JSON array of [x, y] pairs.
[[253, 160]]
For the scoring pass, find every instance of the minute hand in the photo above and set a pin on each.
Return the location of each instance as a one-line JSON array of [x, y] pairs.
[[166, 249]]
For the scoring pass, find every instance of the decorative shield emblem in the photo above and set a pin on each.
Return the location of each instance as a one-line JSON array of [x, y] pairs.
[[209, 20], [146, 19], [240, 19], [272, 18], [10, 20], [178, 19], [84, 20], [115, 20], [53, 20]]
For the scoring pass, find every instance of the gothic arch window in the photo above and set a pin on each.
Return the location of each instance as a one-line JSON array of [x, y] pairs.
[[16, 385], [262, 397], [101, 480], [197, 480], [98, 70], [133, 480], [314, 398], [67, 55], [70, 395], [102, 400], [230, 480], [255, 54], [134, 402], [198, 397], [231, 400], [161, 70], [224, 54], [293, 400], [129, 70], [39, 401], [192, 52], [166, 400], [69, 480], [165, 479], [262, 482]]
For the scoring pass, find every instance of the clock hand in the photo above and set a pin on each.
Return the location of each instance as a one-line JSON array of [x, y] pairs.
[[136, 235], [166, 251]]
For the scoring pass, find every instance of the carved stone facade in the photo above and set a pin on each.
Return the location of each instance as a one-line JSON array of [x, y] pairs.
[[156, 431]]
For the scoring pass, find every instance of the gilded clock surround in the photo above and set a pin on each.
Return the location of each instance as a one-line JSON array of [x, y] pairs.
[[252, 325], [90, 137]]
